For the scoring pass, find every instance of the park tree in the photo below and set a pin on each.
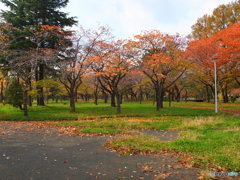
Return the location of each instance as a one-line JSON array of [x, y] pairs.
[[25, 13], [75, 61], [112, 67], [22, 62], [162, 61], [3, 85], [221, 18], [14, 94], [223, 46]]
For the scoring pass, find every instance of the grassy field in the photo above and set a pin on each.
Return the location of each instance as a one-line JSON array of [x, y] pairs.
[[211, 140], [87, 110]]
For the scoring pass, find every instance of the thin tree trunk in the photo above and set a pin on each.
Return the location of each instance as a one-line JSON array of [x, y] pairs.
[[208, 95], [40, 99], [105, 97], [1, 91], [30, 88], [158, 99], [169, 99], [25, 103], [140, 95], [161, 98], [96, 98], [96, 95], [186, 95], [225, 94], [76, 96]]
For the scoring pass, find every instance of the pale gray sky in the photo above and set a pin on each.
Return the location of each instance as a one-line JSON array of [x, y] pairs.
[[129, 17]]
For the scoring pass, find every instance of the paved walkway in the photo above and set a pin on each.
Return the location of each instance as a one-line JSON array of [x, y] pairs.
[[28, 153]]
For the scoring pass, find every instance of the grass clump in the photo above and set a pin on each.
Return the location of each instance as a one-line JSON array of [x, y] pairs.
[[136, 144], [211, 148], [103, 131]]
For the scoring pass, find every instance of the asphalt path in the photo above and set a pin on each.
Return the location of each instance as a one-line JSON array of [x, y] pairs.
[[37, 155]]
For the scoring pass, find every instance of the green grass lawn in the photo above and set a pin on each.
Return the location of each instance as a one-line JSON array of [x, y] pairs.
[[87, 110], [212, 140], [205, 104]]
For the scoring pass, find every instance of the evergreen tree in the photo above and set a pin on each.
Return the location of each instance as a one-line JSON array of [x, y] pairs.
[[27, 13], [14, 94]]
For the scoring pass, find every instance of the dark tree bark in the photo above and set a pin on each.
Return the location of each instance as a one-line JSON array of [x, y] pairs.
[[118, 97], [1, 91], [96, 93], [29, 96], [207, 94], [225, 94], [170, 93], [140, 95], [40, 99], [25, 103], [105, 96], [72, 100], [113, 96]]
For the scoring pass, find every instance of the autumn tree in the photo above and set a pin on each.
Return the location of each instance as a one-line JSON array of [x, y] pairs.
[[112, 67], [75, 62], [223, 46], [221, 18], [161, 60], [28, 13], [22, 61]]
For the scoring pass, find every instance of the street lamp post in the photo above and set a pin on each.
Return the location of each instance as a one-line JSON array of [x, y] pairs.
[[215, 80]]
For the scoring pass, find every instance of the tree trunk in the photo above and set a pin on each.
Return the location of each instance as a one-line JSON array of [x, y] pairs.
[[121, 98], [105, 97], [225, 94], [158, 98], [72, 101], [76, 97], [113, 102], [96, 98], [169, 99], [186, 95], [208, 95], [30, 88], [161, 98], [40, 73], [178, 96], [1, 92], [140, 95], [118, 97], [25, 103]]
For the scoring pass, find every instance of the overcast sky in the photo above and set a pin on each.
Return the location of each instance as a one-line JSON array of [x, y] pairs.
[[129, 17]]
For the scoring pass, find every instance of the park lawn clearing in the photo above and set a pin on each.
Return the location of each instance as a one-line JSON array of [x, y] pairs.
[[89, 111], [212, 141]]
